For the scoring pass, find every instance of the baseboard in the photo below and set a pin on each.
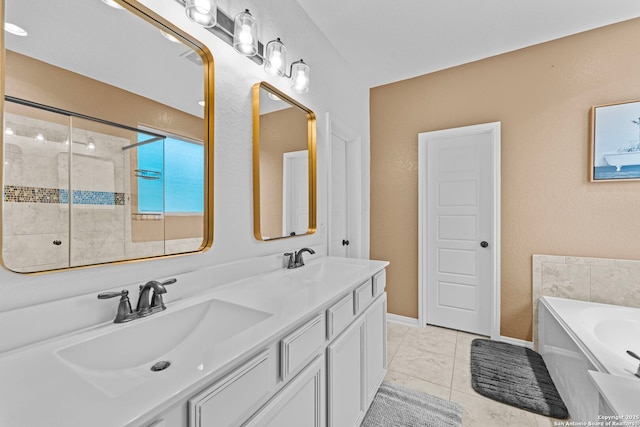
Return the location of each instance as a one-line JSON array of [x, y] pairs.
[[396, 318], [516, 341]]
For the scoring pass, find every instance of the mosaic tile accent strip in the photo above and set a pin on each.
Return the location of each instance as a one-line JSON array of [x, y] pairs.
[[18, 194]]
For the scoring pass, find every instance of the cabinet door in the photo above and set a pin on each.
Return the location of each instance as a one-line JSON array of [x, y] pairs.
[[345, 379], [376, 346], [299, 404]]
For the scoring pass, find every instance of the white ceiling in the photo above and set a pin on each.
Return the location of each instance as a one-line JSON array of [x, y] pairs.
[[386, 42], [110, 45]]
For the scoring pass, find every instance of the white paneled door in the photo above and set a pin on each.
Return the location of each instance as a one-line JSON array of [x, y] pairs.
[[459, 196]]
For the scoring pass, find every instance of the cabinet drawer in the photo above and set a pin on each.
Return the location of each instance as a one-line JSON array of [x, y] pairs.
[[339, 316], [363, 295], [235, 397], [299, 347], [379, 283]]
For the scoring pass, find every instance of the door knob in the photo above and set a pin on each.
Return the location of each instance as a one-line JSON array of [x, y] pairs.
[[484, 244], [345, 242]]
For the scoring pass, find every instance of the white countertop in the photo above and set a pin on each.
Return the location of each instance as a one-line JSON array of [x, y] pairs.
[[38, 389]]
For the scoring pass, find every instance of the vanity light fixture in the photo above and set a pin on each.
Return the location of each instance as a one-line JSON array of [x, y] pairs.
[[242, 34], [14, 29], [275, 58], [113, 4], [245, 33], [202, 12], [300, 77], [91, 147], [275, 64]]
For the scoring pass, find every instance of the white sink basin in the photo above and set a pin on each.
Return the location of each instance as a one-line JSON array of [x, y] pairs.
[[324, 271], [143, 342]]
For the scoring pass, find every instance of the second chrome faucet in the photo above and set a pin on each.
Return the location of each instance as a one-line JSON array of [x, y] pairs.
[[295, 259], [146, 305]]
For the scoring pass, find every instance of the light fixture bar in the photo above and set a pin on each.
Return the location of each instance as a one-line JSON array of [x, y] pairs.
[[224, 31]]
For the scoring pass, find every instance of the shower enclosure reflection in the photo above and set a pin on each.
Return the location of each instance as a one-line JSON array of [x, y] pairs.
[[81, 192], [107, 145]]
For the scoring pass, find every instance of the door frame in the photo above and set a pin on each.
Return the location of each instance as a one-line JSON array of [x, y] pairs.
[[494, 129], [357, 224]]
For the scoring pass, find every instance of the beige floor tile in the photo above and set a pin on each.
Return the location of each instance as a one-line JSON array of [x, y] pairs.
[[395, 329], [463, 346], [432, 339], [462, 377], [482, 412], [428, 366], [418, 384]]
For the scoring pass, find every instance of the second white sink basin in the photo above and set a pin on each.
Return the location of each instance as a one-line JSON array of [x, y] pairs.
[[145, 341], [324, 271]]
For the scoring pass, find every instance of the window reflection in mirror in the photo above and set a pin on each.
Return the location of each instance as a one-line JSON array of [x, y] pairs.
[[284, 165], [107, 147]]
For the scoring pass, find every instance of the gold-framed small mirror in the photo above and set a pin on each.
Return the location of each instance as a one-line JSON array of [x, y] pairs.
[[107, 125], [284, 165]]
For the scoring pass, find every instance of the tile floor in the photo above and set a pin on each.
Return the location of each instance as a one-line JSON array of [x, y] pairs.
[[436, 361]]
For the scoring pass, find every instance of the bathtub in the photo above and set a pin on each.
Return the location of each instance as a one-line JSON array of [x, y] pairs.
[[576, 337]]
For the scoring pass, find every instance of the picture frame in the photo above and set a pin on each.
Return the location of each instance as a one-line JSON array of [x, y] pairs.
[[615, 142]]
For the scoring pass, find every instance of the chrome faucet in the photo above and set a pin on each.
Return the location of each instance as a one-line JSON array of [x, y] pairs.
[[295, 259], [146, 305]]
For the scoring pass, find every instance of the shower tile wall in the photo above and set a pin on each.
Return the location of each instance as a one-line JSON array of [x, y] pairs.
[[36, 197], [603, 280]]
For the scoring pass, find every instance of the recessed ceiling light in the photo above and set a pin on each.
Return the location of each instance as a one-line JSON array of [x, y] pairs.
[[201, 103], [40, 138], [169, 37], [112, 3], [14, 29]]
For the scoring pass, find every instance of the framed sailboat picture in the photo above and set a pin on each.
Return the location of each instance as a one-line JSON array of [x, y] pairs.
[[615, 142]]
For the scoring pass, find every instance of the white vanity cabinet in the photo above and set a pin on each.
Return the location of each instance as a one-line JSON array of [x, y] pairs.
[[357, 359], [322, 372]]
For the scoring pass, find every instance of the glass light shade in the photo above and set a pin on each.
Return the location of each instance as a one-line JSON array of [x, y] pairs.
[[245, 33], [275, 62], [202, 12], [300, 77]]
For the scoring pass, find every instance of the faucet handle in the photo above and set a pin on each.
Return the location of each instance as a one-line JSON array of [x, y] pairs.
[[105, 295], [124, 313], [290, 262]]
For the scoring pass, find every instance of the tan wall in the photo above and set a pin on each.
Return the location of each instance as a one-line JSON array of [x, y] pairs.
[[542, 95], [281, 132]]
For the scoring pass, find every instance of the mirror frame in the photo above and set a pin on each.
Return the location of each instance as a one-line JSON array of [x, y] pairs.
[[311, 146], [132, 6]]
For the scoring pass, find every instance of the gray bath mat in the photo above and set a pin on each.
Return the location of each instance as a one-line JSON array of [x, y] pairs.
[[516, 376], [397, 406]]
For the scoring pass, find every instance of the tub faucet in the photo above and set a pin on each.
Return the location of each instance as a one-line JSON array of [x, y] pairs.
[[298, 261]]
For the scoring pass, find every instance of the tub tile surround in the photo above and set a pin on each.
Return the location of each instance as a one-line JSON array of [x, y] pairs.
[[602, 280]]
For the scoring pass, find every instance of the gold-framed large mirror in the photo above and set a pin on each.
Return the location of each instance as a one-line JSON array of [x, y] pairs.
[[284, 165], [107, 136]]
